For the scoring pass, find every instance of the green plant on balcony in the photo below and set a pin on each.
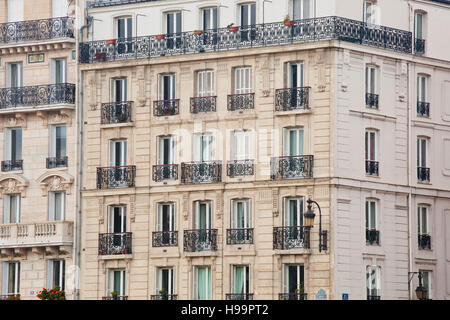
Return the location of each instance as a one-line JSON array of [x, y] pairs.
[[54, 294], [300, 288], [13, 297]]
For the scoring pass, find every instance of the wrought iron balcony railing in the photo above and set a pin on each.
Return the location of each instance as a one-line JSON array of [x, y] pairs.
[[116, 177], [293, 296], [291, 167], [203, 104], [36, 30], [419, 46], [292, 99], [423, 174], [166, 107], [165, 239], [200, 240], [61, 93], [372, 297], [114, 243], [239, 296], [258, 35], [239, 168], [241, 101], [423, 109], [424, 241], [201, 172], [372, 236], [285, 238], [164, 297], [372, 167], [116, 112], [240, 236], [12, 165], [107, 3], [372, 100], [162, 172], [115, 298], [57, 162]]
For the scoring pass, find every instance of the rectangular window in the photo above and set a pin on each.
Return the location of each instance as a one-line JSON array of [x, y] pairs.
[[124, 28], [56, 274], [427, 283], [371, 215], [371, 77], [118, 153], [202, 283], [117, 219], [370, 148], [240, 280], [418, 25], [248, 14], [422, 152], [295, 74], [117, 282], [422, 89], [369, 12], [301, 9], [119, 90], [293, 142], [166, 217], [173, 29], [59, 71], [13, 144], [210, 18], [165, 282], [57, 206], [14, 72], [241, 145], [203, 215], [422, 223], [293, 278], [242, 80], [11, 278], [167, 87], [205, 83], [58, 141], [373, 282], [59, 8], [240, 214], [293, 212], [11, 208], [166, 150], [15, 10], [203, 147]]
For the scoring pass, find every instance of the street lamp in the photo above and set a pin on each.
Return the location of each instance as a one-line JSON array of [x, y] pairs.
[[421, 291], [309, 222]]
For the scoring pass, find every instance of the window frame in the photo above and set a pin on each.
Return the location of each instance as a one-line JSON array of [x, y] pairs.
[[377, 278], [205, 86], [421, 216], [7, 203], [247, 213], [300, 276], [299, 215], [243, 81], [370, 215], [246, 279], [171, 214], [122, 281], [113, 152], [208, 282], [52, 208]]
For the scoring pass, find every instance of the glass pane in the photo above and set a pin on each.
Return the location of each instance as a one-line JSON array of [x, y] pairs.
[[61, 141], [239, 279]]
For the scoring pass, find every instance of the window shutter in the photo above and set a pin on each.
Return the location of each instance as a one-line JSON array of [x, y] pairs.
[[52, 141], [50, 283], [5, 270], [51, 206], [6, 209]]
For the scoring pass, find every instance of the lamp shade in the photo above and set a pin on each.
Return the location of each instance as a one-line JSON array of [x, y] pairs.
[[421, 292], [309, 217]]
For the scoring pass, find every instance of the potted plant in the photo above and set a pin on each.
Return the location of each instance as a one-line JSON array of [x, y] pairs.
[[287, 21], [163, 294], [198, 31], [300, 289], [160, 36], [111, 41], [54, 294], [114, 295], [231, 27]]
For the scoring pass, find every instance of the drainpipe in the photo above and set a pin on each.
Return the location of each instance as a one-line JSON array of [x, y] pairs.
[[409, 165]]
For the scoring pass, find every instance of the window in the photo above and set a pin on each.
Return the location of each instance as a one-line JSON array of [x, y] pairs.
[[248, 14], [371, 87], [116, 282], [240, 281], [167, 87], [203, 215], [418, 25], [11, 208], [369, 12], [371, 152], [293, 142], [117, 219], [373, 282], [423, 172], [58, 141], [293, 278], [242, 80], [15, 10], [203, 147], [13, 144], [423, 220], [119, 90], [301, 9], [11, 278], [241, 145], [295, 74], [56, 274], [173, 29], [59, 8], [124, 32], [427, 283], [202, 283], [166, 148], [422, 88], [241, 214], [118, 153], [165, 281], [371, 215], [56, 206], [166, 217], [14, 73], [209, 18], [293, 212], [59, 71], [205, 83]]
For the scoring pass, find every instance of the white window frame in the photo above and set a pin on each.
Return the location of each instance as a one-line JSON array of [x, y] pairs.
[[371, 79], [128, 30], [122, 282], [369, 12], [249, 14], [208, 282], [51, 265], [369, 213], [285, 276], [15, 10], [113, 149], [171, 280], [427, 282], [123, 218], [299, 143], [247, 273], [205, 83], [121, 85], [59, 8], [172, 216], [369, 145], [299, 214], [421, 162], [203, 147], [18, 75], [418, 34], [52, 209], [161, 148], [300, 78], [243, 80], [9, 144], [53, 145], [423, 213], [62, 62], [246, 207], [422, 88], [377, 276], [305, 7], [172, 92], [241, 145], [7, 200], [214, 24], [6, 275], [209, 215]]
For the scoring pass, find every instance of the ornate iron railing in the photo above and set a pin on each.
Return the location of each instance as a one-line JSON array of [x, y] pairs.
[[292, 99], [12, 165], [203, 104], [61, 93], [241, 101], [201, 172], [162, 172], [115, 298], [419, 46], [116, 177], [166, 107], [423, 174], [165, 239], [293, 296], [372, 236], [285, 238], [424, 241], [423, 109], [239, 296], [371, 297], [372, 167], [200, 240], [260, 35], [33, 30], [57, 162], [239, 168], [240, 236], [107, 3], [116, 112], [164, 297], [114, 243], [289, 167], [372, 100]]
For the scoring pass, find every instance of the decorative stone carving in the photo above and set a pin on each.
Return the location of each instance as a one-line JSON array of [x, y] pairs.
[[55, 181], [132, 207], [275, 209], [61, 116], [101, 210], [15, 120], [185, 205], [11, 183]]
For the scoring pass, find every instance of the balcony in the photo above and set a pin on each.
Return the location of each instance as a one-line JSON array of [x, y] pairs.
[[200, 240], [43, 95], [56, 162], [372, 168], [57, 233], [239, 296], [423, 109], [203, 104], [372, 236], [115, 298], [11, 296], [201, 172], [116, 177], [261, 35], [36, 30], [165, 239], [424, 241], [163, 108], [116, 112], [419, 46], [240, 168], [107, 3], [293, 296], [240, 236], [241, 101], [291, 167], [163, 172], [12, 165], [423, 174], [164, 297], [289, 99], [114, 243], [285, 238], [372, 100]]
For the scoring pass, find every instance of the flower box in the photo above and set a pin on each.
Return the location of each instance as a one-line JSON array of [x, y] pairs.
[[198, 31], [161, 36], [289, 23], [232, 29], [112, 41]]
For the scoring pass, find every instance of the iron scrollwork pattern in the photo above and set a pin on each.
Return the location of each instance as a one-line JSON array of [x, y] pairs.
[[419, 46], [292, 99], [293, 296], [201, 172], [164, 297], [240, 236], [423, 109], [165, 239], [114, 243], [372, 100], [241, 101], [116, 177], [424, 241], [239, 168], [57, 162], [203, 104], [289, 167], [165, 172], [239, 296], [423, 174], [12, 165], [285, 238], [200, 240], [166, 107], [116, 112], [372, 236], [372, 167]]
